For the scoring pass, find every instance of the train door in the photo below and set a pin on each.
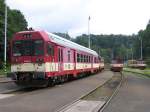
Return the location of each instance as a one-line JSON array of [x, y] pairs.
[[60, 59], [92, 62], [74, 59]]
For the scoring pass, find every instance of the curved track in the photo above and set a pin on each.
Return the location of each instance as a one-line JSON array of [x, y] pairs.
[[97, 99]]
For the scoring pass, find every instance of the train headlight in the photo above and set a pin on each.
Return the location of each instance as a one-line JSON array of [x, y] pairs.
[[39, 60]]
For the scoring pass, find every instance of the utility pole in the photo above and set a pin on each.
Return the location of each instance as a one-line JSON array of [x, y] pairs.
[[112, 53], [141, 48], [89, 32], [5, 45], [132, 52]]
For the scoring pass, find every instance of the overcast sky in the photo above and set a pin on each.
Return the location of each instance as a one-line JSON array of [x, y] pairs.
[[107, 16]]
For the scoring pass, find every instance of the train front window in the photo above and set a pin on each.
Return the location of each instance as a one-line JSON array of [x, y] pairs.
[[28, 48], [38, 47], [17, 48]]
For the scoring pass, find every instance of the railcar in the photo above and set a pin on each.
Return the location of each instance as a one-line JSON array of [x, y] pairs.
[[101, 63], [139, 64], [116, 65], [40, 58]]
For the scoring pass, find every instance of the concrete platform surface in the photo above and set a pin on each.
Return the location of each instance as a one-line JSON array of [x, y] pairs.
[[84, 106]]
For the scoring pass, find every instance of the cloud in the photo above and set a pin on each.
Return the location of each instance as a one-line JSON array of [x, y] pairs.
[[107, 16]]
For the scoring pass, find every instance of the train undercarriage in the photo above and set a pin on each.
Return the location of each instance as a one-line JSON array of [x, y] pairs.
[[39, 79]]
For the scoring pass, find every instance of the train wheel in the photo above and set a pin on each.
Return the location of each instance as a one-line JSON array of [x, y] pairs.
[[51, 82]]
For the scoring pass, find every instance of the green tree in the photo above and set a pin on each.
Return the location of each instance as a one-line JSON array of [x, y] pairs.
[[16, 22]]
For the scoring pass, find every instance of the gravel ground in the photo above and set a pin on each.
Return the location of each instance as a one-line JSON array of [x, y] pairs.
[[133, 96]]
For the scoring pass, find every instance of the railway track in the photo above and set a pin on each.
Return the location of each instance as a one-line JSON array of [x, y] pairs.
[[98, 99], [113, 94], [4, 79], [7, 86], [60, 95], [26, 89], [7, 81], [22, 90]]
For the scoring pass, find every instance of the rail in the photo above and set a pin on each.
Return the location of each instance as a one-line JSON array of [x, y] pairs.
[[4, 79], [112, 96], [98, 106]]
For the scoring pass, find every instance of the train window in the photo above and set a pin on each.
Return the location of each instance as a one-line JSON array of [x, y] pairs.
[[82, 58], [17, 48], [89, 59], [59, 57], [94, 60], [78, 57], [62, 55], [86, 58], [50, 50], [68, 56], [38, 47], [74, 57], [27, 47]]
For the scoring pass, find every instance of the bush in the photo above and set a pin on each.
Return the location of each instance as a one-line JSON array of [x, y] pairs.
[[1, 64], [148, 62]]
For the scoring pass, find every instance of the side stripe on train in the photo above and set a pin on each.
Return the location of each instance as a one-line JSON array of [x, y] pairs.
[[50, 67]]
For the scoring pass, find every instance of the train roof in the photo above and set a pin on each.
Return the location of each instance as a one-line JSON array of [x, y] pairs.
[[68, 43], [64, 42]]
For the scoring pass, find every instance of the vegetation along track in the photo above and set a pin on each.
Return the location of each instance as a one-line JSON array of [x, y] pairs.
[[98, 98]]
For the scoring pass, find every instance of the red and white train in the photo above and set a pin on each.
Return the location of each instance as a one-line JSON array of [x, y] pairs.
[[40, 58], [139, 64], [116, 65]]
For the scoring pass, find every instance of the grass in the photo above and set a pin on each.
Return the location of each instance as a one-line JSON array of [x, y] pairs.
[[2, 71], [145, 72]]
